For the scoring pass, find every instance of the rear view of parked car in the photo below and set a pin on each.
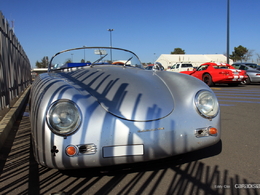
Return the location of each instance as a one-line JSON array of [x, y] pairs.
[[212, 73]]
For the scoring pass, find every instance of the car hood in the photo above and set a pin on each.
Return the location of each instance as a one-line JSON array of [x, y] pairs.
[[129, 93]]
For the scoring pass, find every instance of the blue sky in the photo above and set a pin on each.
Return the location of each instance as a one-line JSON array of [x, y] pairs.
[[147, 27]]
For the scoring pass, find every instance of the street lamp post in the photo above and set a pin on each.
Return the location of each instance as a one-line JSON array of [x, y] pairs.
[[228, 31], [84, 54], [110, 30]]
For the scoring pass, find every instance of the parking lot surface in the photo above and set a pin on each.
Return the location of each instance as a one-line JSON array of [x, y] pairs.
[[230, 167]]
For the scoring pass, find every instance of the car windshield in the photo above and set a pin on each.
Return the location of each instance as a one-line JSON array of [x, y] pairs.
[[89, 56], [173, 67], [203, 67], [252, 65]]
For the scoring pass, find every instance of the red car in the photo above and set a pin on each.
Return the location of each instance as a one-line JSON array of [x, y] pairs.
[[212, 73]]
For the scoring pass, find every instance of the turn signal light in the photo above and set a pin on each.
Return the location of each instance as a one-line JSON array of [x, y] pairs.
[[71, 150], [213, 131], [206, 131]]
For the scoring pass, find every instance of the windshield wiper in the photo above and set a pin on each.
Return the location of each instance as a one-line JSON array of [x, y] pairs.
[[99, 59]]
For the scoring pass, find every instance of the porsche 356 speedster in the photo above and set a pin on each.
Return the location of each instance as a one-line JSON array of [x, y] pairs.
[[98, 106]]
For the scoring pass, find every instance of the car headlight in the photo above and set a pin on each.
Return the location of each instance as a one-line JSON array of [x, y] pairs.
[[207, 104], [63, 117]]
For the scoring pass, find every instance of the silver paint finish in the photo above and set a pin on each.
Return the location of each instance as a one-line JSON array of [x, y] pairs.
[[120, 106], [120, 91]]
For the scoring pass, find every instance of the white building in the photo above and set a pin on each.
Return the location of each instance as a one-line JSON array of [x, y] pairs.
[[195, 59]]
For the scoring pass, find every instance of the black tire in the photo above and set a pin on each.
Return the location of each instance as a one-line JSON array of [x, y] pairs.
[[206, 78], [246, 82]]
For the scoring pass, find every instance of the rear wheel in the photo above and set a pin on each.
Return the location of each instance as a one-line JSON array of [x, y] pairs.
[[246, 82], [208, 80]]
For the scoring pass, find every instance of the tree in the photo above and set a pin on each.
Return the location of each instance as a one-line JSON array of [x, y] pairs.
[[248, 55], [258, 58], [239, 53], [43, 64], [178, 51], [68, 61]]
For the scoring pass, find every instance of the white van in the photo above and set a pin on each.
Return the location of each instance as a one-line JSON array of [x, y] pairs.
[[178, 67]]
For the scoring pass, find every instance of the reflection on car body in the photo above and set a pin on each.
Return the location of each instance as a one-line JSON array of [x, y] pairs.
[[112, 111]]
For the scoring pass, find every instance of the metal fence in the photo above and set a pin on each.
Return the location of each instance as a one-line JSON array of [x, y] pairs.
[[15, 69]]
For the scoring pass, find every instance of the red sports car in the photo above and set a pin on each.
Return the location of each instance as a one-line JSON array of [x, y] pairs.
[[212, 73]]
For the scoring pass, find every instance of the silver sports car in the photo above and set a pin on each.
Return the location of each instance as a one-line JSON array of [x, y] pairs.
[[98, 106], [252, 72]]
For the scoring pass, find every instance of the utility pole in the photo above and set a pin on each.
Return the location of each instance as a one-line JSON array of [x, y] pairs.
[[227, 31], [110, 30]]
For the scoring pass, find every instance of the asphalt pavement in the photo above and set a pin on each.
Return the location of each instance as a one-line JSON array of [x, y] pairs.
[[229, 167]]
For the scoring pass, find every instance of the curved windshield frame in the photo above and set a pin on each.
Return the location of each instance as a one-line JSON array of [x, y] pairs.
[[92, 56]]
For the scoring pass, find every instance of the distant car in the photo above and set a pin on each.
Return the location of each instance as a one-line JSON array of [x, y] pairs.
[[149, 67], [155, 66], [212, 73], [252, 65], [113, 111], [252, 73], [178, 67]]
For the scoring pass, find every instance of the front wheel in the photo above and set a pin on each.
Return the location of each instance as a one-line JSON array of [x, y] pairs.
[[208, 80]]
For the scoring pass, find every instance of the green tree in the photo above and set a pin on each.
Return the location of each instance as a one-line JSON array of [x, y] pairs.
[[68, 61], [178, 51], [43, 64], [239, 53]]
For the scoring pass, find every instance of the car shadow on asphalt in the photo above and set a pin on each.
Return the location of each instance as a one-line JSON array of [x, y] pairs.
[[182, 174]]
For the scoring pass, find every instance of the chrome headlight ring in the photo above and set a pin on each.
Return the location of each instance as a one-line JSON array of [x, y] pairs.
[[63, 117], [207, 104]]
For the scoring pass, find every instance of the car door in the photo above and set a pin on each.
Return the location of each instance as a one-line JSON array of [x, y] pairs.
[[177, 68]]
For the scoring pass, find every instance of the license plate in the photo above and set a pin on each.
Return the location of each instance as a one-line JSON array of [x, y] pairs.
[[129, 150]]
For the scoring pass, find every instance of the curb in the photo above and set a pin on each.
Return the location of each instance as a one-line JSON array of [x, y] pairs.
[[9, 119]]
